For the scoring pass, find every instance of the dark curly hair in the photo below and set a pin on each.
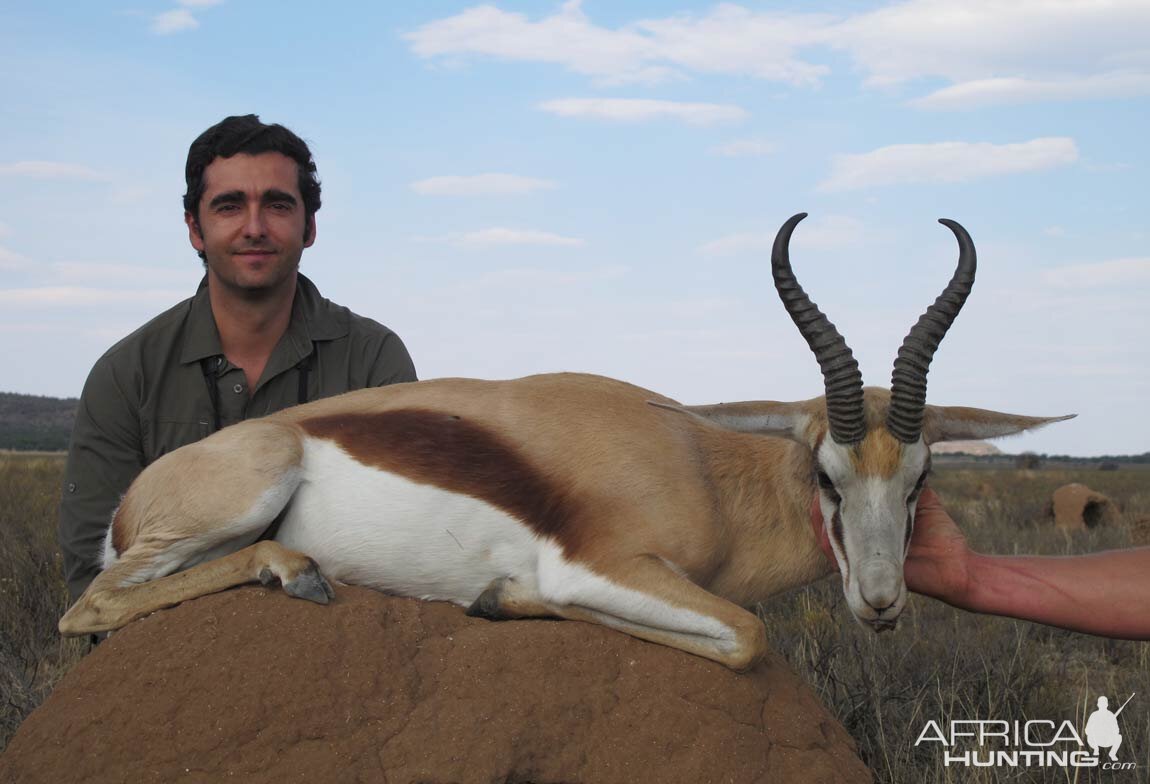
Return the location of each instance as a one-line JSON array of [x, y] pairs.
[[246, 134]]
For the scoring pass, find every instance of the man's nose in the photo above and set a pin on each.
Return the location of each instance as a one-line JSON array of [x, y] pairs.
[[255, 226]]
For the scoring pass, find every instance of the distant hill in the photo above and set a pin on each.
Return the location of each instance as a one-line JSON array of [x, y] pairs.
[[32, 422], [36, 423]]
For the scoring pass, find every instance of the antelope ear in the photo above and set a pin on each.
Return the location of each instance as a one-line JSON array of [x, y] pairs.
[[958, 423], [764, 417]]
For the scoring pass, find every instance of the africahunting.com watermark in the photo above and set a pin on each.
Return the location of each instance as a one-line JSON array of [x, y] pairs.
[[985, 743]]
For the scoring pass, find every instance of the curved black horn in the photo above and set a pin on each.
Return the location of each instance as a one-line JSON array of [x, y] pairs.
[[908, 382], [841, 375]]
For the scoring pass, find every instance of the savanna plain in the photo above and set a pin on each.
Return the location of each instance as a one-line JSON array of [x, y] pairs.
[[941, 664]]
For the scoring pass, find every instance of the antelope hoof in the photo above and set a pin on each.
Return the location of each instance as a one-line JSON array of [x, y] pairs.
[[308, 584], [489, 603]]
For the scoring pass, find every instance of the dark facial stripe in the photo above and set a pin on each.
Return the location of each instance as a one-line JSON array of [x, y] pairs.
[[454, 454], [909, 531], [837, 535]]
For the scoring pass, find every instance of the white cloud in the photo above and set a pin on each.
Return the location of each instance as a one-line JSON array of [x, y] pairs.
[[536, 278], [174, 21], [733, 40], [989, 51], [988, 39], [829, 232], [1091, 166], [503, 236], [480, 185], [946, 162], [1117, 272], [74, 296], [120, 274], [50, 170], [11, 261], [639, 110], [729, 39], [734, 244], [744, 148], [182, 18], [993, 92]]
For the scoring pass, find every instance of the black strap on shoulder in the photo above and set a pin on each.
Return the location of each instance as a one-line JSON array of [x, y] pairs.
[[211, 368], [304, 369]]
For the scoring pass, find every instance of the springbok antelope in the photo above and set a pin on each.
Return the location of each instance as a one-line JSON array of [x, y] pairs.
[[558, 495]]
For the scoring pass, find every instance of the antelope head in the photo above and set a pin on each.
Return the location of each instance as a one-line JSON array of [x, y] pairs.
[[869, 447]]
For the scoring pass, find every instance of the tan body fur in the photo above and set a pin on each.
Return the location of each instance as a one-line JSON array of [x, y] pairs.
[[640, 485], [659, 520]]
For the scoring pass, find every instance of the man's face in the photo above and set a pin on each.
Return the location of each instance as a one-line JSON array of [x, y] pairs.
[[252, 224]]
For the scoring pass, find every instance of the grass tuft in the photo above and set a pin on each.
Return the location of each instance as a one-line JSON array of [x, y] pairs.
[[33, 595]]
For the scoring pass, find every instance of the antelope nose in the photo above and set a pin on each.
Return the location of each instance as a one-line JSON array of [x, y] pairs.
[[880, 583]]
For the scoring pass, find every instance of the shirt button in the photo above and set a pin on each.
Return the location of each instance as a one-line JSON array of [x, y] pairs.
[[238, 388], [71, 487]]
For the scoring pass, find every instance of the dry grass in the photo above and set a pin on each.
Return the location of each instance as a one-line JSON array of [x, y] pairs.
[[940, 664], [32, 592], [945, 664]]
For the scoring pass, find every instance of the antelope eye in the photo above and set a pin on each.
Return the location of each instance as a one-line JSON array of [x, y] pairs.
[[919, 484], [825, 481]]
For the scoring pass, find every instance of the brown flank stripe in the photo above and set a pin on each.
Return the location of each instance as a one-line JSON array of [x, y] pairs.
[[120, 538], [446, 451]]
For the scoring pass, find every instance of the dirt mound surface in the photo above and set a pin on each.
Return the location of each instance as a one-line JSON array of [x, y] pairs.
[[249, 685], [1077, 506]]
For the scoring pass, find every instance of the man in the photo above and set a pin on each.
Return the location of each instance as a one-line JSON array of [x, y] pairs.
[[256, 337]]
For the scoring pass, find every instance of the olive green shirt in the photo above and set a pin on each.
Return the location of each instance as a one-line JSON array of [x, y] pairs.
[[150, 394]]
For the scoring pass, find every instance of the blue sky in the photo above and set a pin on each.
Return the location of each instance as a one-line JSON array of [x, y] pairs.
[[527, 187]]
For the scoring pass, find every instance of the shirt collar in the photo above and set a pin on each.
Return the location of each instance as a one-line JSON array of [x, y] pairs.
[[314, 318]]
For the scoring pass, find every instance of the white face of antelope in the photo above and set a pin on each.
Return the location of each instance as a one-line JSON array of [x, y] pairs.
[[868, 494], [869, 476]]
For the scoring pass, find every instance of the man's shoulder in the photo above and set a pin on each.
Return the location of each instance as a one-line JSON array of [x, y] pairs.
[[330, 320], [376, 355], [366, 328], [160, 333]]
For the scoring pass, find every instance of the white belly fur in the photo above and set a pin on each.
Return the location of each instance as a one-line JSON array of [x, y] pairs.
[[365, 526]]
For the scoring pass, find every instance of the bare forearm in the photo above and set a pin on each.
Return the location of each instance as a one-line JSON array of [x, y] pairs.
[[1104, 593]]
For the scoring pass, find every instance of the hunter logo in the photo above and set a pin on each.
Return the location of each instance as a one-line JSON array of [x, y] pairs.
[[985, 743], [1102, 728]]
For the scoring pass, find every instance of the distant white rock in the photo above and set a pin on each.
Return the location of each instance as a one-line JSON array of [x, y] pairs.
[[964, 448]]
